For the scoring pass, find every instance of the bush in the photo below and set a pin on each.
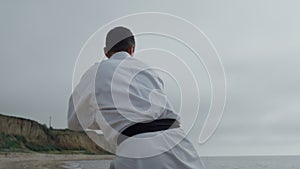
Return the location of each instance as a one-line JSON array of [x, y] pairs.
[[9, 142], [41, 148], [88, 152], [20, 138]]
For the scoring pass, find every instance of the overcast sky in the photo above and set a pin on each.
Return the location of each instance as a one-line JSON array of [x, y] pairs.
[[258, 43]]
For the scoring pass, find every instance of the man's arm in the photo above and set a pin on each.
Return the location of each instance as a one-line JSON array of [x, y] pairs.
[[73, 122]]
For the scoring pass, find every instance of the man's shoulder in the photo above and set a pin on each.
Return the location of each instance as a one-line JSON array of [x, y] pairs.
[[90, 72], [92, 69]]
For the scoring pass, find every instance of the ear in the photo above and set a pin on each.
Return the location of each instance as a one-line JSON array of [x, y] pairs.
[[131, 50], [106, 52]]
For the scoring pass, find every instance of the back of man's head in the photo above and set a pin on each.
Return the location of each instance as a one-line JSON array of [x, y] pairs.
[[119, 39]]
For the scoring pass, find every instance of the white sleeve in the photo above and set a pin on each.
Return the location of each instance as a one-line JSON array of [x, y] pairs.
[[82, 109], [87, 116], [73, 122]]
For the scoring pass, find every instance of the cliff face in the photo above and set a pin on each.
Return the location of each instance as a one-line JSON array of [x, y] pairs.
[[38, 137], [30, 129]]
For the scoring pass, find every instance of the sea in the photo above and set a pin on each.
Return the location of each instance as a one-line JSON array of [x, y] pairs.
[[243, 162]]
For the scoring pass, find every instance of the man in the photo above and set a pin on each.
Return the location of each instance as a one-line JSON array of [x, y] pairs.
[[125, 98]]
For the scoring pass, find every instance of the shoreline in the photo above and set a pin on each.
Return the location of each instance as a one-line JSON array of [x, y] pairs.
[[15, 160]]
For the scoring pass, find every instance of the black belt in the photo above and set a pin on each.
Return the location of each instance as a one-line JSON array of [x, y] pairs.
[[145, 127]]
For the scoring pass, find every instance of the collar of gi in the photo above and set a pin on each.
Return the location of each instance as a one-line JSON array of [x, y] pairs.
[[120, 55]]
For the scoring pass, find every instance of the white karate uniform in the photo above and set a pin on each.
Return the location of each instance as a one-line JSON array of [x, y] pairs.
[[120, 91]]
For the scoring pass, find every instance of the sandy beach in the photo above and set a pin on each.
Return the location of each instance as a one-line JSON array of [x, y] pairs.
[[43, 161]]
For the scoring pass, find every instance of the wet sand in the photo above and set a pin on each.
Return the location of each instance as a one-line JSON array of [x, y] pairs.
[[43, 161]]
